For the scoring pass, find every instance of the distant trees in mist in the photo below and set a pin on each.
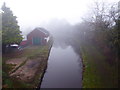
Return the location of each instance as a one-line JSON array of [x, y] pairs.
[[101, 28]]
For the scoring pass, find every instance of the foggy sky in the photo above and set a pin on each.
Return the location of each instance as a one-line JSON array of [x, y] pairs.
[[34, 13]]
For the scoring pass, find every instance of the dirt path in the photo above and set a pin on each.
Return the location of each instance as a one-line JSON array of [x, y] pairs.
[[27, 72]]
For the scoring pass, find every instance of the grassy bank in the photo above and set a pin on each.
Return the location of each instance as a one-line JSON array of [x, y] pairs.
[[98, 73], [32, 62]]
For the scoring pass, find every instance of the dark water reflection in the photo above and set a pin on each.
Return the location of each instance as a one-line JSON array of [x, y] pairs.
[[64, 67]]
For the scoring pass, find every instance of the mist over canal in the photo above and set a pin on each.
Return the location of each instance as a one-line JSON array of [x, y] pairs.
[[64, 68]]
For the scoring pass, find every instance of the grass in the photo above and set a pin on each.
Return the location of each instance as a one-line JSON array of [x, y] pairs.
[[27, 52], [32, 52], [98, 73]]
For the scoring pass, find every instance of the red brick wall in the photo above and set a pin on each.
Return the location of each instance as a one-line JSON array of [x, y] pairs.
[[23, 43]]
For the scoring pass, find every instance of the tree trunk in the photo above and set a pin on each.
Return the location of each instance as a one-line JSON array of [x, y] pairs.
[[3, 48]]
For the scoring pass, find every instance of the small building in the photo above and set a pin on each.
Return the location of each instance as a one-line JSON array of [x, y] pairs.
[[37, 37]]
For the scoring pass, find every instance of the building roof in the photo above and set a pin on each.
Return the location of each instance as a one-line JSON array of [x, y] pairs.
[[42, 30]]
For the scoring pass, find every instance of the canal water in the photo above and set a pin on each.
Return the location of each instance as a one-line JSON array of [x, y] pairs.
[[64, 69]]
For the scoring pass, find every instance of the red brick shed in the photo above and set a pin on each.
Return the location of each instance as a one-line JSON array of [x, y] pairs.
[[37, 37]]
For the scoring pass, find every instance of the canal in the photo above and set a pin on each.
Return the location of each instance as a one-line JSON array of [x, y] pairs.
[[64, 69]]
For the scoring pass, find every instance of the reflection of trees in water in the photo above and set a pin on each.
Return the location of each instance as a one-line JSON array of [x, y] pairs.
[[60, 43], [64, 43], [76, 47]]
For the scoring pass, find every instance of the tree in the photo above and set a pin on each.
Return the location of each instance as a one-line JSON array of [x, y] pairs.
[[102, 21], [10, 29], [116, 36]]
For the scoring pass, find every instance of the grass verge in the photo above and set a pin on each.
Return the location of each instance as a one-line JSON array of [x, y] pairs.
[[97, 72]]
